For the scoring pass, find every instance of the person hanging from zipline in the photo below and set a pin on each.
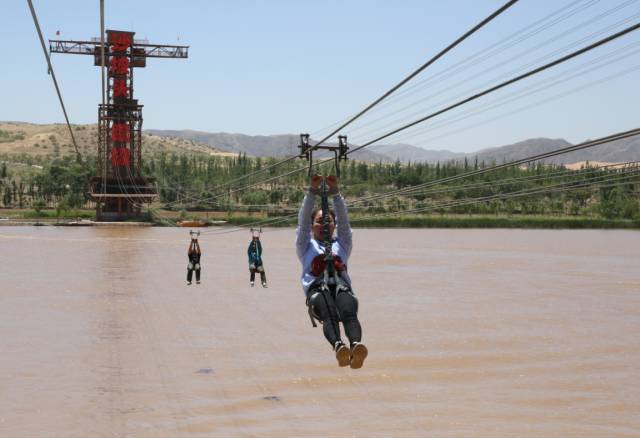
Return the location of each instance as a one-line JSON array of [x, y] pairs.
[[325, 280], [255, 259], [194, 254]]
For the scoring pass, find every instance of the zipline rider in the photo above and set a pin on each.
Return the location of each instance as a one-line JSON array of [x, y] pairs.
[[254, 252], [194, 253], [328, 288]]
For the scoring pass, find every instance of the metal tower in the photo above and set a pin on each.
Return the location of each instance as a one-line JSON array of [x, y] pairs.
[[119, 189]]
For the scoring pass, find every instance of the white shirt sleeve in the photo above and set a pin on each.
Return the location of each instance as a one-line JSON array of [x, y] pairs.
[[342, 224], [303, 232]]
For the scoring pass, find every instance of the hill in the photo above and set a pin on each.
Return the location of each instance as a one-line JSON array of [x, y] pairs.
[[407, 152], [283, 145], [615, 152], [286, 145], [55, 140]]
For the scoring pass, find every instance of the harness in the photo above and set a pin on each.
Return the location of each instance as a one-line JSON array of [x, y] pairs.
[[329, 288], [329, 283]]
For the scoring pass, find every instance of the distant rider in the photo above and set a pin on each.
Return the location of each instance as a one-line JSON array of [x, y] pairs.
[[255, 261], [194, 254]]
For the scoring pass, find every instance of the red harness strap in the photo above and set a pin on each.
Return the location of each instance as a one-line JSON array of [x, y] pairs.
[[318, 265]]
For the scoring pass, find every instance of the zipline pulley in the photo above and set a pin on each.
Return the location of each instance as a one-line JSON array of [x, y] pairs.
[[339, 152], [304, 146]]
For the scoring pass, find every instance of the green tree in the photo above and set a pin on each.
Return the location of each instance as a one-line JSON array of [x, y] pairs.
[[38, 205], [62, 208]]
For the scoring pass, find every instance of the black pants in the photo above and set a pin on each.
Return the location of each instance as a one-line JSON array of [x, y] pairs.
[[260, 269], [190, 272], [330, 309]]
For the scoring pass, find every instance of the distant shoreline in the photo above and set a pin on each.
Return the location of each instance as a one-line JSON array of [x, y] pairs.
[[434, 221], [480, 221]]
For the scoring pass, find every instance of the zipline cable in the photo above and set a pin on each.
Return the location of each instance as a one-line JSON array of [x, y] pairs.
[[459, 67], [573, 148], [394, 88], [488, 82], [411, 191], [479, 54], [53, 77], [535, 88], [529, 106], [504, 84], [566, 186], [501, 196], [580, 146], [419, 70], [471, 98]]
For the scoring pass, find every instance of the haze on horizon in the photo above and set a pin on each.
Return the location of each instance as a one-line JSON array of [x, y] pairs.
[[286, 67]]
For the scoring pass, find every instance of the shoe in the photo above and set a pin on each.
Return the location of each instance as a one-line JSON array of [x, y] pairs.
[[251, 283], [264, 285], [358, 354], [342, 353], [198, 282], [188, 283]]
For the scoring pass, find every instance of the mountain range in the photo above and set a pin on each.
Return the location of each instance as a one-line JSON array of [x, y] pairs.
[[35, 139], [286, 145]]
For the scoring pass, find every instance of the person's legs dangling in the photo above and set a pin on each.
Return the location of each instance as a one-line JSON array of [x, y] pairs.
[[189, 275], [263, 276], [348, 306], [325, 310], [328, 315]]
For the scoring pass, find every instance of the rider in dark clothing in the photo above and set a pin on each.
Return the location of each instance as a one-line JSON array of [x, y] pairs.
[[255, 261], [194, 254]]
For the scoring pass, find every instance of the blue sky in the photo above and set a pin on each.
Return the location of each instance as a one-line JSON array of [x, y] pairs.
[[275, 67]]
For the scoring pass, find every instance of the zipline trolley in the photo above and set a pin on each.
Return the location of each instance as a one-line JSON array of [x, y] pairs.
[[339, 152]]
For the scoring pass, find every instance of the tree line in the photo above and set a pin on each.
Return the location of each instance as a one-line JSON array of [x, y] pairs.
[[197, 182]]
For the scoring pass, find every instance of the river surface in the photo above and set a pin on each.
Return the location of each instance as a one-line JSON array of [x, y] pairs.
[[471, 333]]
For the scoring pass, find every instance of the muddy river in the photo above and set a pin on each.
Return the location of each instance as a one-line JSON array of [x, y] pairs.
[[471, 333]]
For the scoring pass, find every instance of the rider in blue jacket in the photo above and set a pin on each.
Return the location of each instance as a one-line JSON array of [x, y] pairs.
[[255, 261]]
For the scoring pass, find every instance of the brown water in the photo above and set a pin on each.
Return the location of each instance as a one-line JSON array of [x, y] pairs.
[[472, 333]]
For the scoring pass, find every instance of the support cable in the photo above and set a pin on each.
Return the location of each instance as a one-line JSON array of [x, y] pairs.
[[565, 186], [623, 177], [501, 46], [502, 101], [504, 84], [483, 54], [419, 70], [573, 148], [520, 109], [580, 146], [412, 191], [53, 76], [501, 182], [393, 89], [489, 82], [471, 98], [536, 88], [104, 99]]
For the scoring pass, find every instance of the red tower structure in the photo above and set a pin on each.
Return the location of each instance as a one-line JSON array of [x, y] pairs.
[[119, 188]]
